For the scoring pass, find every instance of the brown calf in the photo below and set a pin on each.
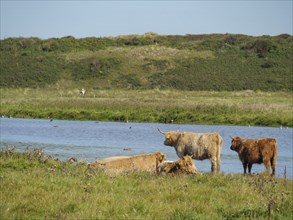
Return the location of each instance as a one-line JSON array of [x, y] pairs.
[[185, 165], [259, 151]]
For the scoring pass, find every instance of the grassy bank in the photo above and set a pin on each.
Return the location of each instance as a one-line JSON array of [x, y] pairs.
[[34, 186], [164, 106]]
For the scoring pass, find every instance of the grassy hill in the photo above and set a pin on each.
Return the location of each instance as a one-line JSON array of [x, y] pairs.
[[221, 62]]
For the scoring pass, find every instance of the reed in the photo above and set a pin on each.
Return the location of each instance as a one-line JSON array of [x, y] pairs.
[[164, 106]]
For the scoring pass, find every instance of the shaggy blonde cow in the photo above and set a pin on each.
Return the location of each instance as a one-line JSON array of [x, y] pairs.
[[145, 162], [199, 146]]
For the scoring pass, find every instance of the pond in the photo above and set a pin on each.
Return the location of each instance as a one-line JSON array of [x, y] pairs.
[[90, 140]]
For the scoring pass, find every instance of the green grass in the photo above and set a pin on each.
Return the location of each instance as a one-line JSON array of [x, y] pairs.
[[164, 106], [34, 186]]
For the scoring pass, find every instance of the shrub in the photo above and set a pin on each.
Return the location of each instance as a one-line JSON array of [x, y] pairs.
[[231, 40], [129, 81], [262, 47], [93, 68]]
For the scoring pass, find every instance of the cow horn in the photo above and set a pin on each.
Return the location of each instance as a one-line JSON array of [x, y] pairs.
[[161, 131], [231, 137]]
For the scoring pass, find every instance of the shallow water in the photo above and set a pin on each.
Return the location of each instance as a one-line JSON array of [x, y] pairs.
[[89, 140]]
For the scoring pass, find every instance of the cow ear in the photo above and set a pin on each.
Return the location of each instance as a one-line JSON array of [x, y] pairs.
[[169, 137]]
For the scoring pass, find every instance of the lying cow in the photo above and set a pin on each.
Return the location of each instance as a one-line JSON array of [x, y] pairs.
[[185, 165], [199, 146], [259, 151], [146, 162]]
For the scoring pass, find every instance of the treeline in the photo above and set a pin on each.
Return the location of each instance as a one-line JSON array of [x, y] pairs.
[[190, 62]]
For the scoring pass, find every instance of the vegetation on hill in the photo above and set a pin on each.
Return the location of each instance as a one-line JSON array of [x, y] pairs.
[[191, 62]]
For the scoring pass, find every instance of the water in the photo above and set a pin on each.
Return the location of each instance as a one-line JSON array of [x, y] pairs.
[[89, 140]]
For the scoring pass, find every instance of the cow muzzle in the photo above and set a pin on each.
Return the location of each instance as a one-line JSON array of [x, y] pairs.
[[167, 143]]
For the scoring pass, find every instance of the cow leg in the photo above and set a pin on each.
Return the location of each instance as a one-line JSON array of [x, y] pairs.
[[249, 168], [214, 164], [218, 164], [244, 167], [267, 165], [273, 165]]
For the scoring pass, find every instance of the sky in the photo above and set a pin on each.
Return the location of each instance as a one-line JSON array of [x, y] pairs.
[[53, 18]]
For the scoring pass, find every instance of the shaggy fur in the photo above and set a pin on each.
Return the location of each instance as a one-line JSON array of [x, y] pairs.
[[252, 151]]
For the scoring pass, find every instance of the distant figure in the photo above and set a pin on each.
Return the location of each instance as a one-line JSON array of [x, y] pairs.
[[82, 92], [72, 160]]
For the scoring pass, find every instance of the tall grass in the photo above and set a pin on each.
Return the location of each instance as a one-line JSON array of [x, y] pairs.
[[165, 106], [32, 188]]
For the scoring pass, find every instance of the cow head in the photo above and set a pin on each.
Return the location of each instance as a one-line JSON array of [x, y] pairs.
[[171, 137], [235, 143], [187, 165], [160, 157]]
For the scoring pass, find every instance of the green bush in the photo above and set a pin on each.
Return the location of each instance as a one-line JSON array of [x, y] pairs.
[[262, 47], [92, 68]]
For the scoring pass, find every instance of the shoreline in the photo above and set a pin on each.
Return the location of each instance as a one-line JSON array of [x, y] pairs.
[[243, 108], [153, 122]]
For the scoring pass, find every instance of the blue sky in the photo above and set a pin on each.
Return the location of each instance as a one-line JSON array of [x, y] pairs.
[[47, 19]]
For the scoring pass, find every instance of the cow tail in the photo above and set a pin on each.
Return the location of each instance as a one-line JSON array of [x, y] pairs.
[[220, 144], [219, 150], [274, 158]]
